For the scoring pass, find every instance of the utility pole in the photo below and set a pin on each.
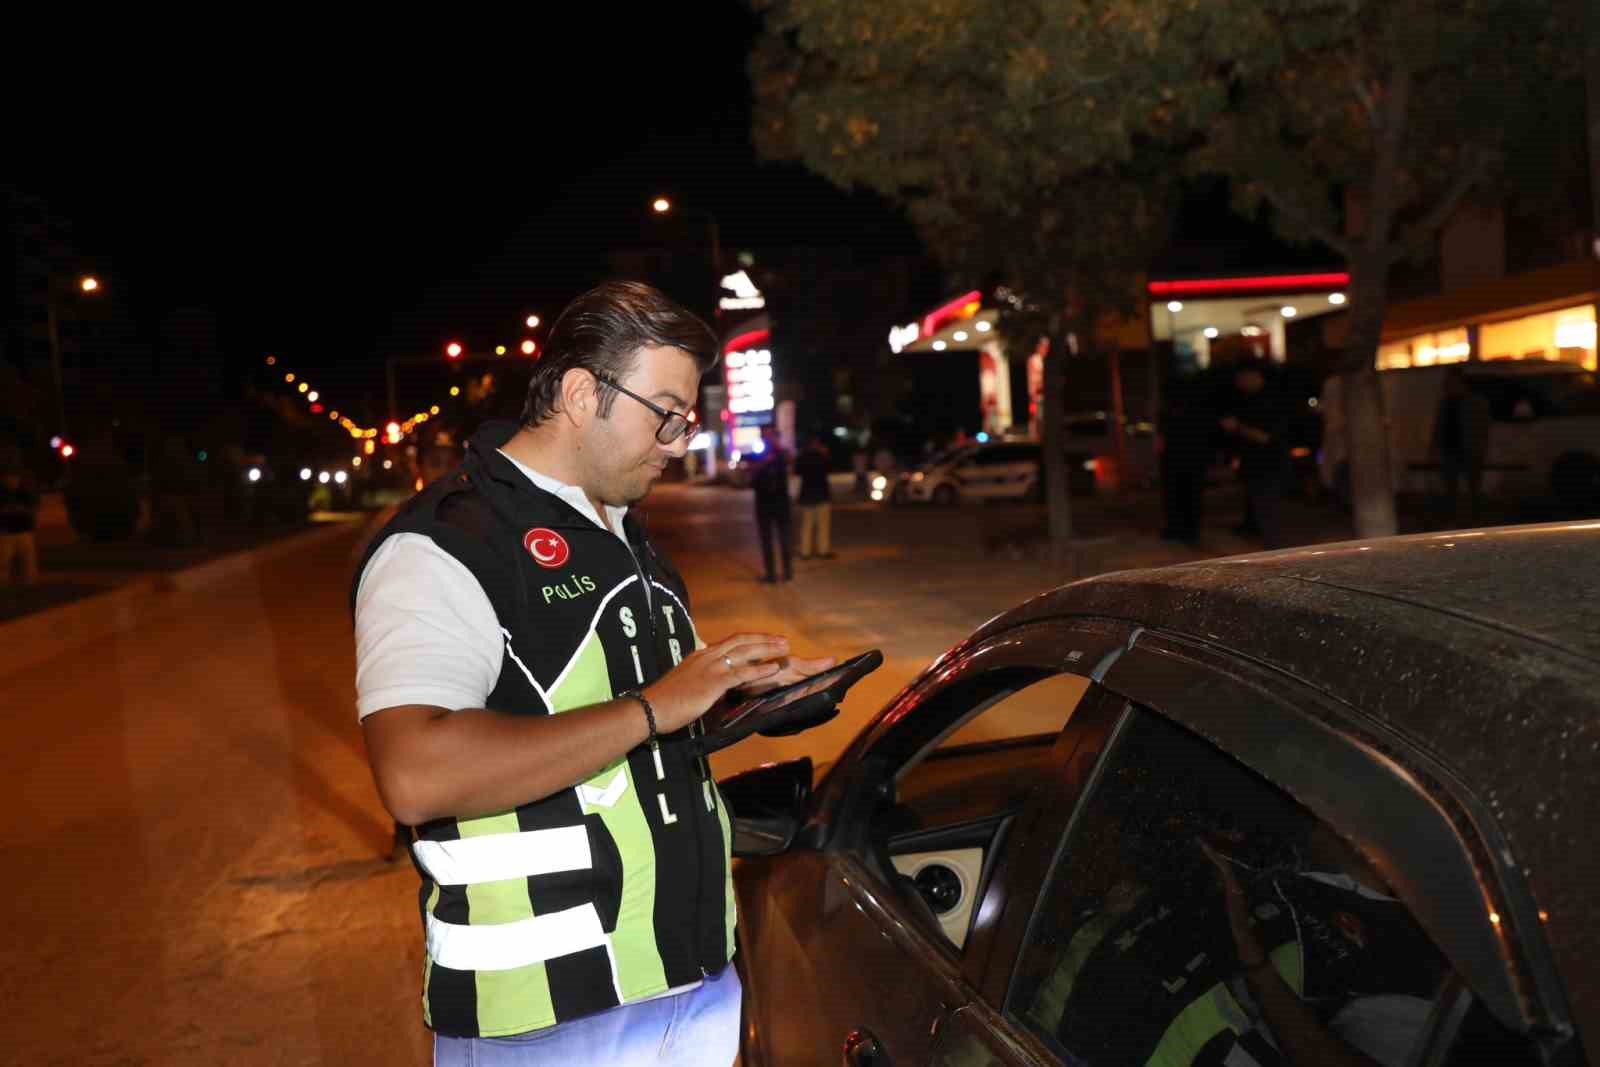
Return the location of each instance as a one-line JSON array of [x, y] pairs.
[[1591, 77]]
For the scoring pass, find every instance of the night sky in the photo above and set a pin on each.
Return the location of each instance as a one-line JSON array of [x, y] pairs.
[[337, 193]]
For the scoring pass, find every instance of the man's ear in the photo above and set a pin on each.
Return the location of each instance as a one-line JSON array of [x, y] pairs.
[[578, 396]]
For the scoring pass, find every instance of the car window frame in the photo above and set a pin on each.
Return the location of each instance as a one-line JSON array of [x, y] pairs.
[[1217, 696], [839, 823]]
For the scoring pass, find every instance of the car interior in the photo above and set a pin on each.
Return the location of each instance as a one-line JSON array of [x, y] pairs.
[[944, 814], [1132, 929]]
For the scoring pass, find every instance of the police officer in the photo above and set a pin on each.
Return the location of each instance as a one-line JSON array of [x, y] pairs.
[[528, 674]]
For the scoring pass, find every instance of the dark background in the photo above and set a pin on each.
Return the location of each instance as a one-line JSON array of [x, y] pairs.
[[334, 194]]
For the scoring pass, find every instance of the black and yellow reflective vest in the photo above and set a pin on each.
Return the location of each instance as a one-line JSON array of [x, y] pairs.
[[620, 887]]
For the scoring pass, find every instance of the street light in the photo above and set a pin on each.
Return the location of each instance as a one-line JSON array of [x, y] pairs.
[[88, 284], [453, 350], [533, 322], [662, 206]]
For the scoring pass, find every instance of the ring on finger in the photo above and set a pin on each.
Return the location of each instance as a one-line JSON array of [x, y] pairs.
[[729, 661]]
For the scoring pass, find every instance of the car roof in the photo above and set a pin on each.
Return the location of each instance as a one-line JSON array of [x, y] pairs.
[[1481, 646]]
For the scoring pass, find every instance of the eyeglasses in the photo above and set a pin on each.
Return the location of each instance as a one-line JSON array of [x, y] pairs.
[[673, 425]]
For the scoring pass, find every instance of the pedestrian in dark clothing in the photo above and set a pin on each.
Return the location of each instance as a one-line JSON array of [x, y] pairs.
[[1259, 427], [816, 502], [1187, 428], [1460, 442], [19, 515], [770, 480]]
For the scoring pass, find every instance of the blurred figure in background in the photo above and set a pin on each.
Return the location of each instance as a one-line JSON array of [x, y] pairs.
[[816, 501], [1460, 442], [770, 480], [1258, 425], [19, 515], [1187, 427]]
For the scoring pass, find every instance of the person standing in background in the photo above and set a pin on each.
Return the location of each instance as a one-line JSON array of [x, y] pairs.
[[1187, 427], [19, 516], [773, 516], [816, 501], [1460, 443], [1259, 426]]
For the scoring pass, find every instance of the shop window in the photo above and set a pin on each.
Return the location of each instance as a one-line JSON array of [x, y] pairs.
[[1426, 350], [1566, 336]]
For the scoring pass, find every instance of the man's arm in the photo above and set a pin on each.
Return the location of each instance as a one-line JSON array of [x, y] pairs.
[[431, 762]]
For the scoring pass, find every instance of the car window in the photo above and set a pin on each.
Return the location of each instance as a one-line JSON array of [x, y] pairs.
[[1181, 869], [938, 828], [988, 753], [1575, 394]]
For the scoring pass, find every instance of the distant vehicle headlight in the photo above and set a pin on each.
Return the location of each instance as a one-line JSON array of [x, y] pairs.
[[880, 483]]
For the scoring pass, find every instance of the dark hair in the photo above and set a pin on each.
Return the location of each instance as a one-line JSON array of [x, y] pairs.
[[602, 332]]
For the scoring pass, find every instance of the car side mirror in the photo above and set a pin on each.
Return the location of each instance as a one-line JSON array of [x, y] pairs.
[[766, 806]]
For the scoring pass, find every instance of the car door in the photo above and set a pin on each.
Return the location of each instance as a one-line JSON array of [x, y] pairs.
[[980, 473], [879, 931], [1021, 466], [1235, 820]]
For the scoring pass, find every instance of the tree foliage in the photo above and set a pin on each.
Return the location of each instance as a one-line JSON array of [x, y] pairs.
[[1040, 138]]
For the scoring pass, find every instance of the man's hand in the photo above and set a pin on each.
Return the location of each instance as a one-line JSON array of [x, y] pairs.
[[791, 669], [687, 691]]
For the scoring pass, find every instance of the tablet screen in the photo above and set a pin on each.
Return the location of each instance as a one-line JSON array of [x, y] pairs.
[[799, 691]]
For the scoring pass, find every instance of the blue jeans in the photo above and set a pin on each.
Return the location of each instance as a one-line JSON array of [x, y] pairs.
[[699, 1028]]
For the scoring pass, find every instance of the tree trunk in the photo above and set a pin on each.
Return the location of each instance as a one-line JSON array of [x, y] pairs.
[[1366, 426], [1058, 504]]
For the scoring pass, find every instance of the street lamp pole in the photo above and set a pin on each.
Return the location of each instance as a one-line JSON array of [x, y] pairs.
[[662, 206], [89, 284], [54, 334]]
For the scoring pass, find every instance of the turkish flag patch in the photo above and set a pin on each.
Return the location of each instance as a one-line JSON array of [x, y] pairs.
[[548, 548]]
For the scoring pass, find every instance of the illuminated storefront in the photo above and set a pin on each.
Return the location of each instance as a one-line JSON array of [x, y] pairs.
[[962, 325], [1545, 316], [1220, 319]]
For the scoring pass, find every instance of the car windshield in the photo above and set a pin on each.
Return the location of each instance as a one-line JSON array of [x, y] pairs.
[[939, 459]]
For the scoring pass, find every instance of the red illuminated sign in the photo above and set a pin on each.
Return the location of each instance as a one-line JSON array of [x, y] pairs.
[[1266, 283], [962, 307], [748, 339]]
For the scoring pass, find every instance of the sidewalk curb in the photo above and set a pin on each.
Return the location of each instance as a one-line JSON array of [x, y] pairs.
[[34, 638]]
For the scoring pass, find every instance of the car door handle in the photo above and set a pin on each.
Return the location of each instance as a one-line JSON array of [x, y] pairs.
[[861, 1049]]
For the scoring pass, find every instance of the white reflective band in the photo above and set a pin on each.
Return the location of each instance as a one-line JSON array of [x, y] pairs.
[[504, 946], [493, 857]]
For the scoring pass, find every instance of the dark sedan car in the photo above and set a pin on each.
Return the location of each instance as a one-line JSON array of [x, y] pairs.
[[1318, 806]]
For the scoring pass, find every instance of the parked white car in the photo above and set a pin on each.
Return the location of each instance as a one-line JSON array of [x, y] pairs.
[[999, 470], [1544, 433]]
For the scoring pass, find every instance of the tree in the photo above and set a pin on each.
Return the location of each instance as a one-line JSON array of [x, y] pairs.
[[1012, 133], [1361, 123], [1364, 124]]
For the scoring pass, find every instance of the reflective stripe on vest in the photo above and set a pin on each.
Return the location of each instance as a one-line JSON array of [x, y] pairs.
[[506, 946], [494, 857]]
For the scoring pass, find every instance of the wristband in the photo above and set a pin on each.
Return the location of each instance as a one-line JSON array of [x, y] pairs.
[[649, 712]]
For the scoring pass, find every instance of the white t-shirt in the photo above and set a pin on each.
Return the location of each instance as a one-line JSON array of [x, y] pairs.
[[426, 632]]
